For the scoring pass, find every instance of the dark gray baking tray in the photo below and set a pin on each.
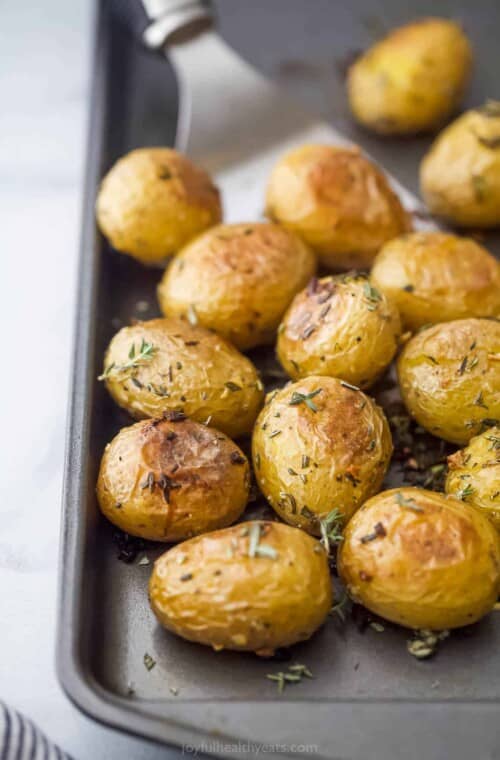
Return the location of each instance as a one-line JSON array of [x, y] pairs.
[[369, 699]]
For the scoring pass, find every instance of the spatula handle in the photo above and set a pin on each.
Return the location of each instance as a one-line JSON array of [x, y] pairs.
[[158, 23]]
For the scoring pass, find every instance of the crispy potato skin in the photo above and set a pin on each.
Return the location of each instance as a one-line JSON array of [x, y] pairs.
[[342, 327], [334, 457], [210, 590], [153, 201], [436, 565], [437, 277], [413, 79], [337, 201], [449, 377], [191, 370], [460, 175], [474, 474], [239, 278], [168, 480]]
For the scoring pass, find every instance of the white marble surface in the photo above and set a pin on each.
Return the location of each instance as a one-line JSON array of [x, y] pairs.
[[44, 66]]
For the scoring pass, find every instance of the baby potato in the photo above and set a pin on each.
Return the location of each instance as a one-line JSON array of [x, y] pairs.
[[474, 474], [339, 326], [239, 279], [166, 365], [337, 201], [421, 559], [153, 201], [413, 79], [253, 587], [460, 175], [436, 277], [319, 444], [172, 478], [449, 377]]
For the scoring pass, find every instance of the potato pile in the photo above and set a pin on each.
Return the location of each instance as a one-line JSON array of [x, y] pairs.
[[344, 289]]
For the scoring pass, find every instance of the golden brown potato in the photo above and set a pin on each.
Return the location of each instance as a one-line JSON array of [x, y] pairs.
[[172, 478], [337, 201], [255, 587], [339, 326], [413, 79], [319, 445], [170, 365], [421, 559], [238, 279], [153, 201], [474, 474], [436, 277], [460, 175], [449, 376]]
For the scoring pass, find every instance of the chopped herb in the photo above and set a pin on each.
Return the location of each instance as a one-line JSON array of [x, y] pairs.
[[425, 643], [192, 315], [186, 577], [465, 492], [255, 548], [372, 295], [407, 503], [495, 442], [145, 353], [305, 461], [232, 386], [305, 398], [431, 359], [308, 331], [377, 626], [294, 674], [378, 532], [237, 458], [175, 416], [149, 662], [409, 288], [274, 433], [479, 400], [349, 386], [291, 499]]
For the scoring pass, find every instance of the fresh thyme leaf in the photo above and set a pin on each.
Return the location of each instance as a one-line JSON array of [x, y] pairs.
[[350, 386], [145, 353], [407, 503], [465, 492], [342, 607], [232, 386], [331, 529], [149, 662], [305, 398]]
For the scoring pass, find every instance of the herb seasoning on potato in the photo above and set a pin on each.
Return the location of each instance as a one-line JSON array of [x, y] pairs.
[[342, 327], [460, 175], [438, 277], [319, 444], [449, 377], [171, 365], [413, 79], [421, 559], [239, 279], [474, 474], [336, 200], [153, 201], [254, 587], [172, 478]]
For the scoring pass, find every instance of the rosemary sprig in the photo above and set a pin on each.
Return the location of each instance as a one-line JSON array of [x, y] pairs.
[[145, 353]]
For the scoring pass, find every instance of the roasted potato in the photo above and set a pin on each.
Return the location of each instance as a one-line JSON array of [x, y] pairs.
[[339, 202], [318, 445], [339, 326], [474, 474], [421, 559], [172, 478], [255, 587], [153, 201], [460, 175], [436, 277], [170, 365], [238, 279], [413, 79], [449, 376]]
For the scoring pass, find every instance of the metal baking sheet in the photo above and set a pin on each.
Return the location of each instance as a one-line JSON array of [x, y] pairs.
[[369, 697]]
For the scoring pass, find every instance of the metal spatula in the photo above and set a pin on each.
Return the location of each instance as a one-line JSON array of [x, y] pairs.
[[232, 120]]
